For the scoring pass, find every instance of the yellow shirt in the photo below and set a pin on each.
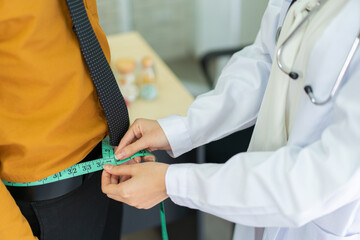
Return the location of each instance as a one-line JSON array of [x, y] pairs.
[[50, 116]]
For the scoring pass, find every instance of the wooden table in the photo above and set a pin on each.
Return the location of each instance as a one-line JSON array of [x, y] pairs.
[[172, 98]]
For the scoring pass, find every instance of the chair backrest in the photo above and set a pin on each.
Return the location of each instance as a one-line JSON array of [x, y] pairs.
[[209, 58]]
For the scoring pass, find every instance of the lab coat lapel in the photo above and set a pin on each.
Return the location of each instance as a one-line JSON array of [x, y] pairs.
[[271, 132]]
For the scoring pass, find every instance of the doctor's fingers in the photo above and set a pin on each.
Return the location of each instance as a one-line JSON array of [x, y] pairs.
[[108, 184], [120, 199], [132, 161], [134, 203], [117, 178], [149, 158], [136, 131], [116, 192], [124, 178], [133, 148], [146, 134], [122, 192], [106, 179], [114, 179]]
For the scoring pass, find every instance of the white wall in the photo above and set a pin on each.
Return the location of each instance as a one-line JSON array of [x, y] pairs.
[[166, 25], [251, 14], [226, 23], [217, 25], [179, 28], [110, 19]]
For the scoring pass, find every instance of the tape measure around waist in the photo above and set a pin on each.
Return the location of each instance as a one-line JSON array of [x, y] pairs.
[[94, 166], [79, 169]]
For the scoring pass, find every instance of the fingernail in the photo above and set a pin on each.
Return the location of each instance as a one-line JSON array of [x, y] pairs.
[[108, 167], [120, 156]]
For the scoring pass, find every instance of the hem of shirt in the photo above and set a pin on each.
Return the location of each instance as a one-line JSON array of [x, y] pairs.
[[39, 175]]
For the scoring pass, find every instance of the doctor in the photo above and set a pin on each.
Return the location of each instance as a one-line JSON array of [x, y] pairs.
[[300, 178]]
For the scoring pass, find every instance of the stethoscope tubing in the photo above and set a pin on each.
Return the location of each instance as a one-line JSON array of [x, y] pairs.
[[291, 74], [308, 89]]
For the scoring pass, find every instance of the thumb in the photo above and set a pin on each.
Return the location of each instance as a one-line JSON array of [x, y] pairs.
[[132, 148], [121, 170]]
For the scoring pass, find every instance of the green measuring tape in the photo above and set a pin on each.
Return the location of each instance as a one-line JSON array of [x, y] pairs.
[[79, 169]]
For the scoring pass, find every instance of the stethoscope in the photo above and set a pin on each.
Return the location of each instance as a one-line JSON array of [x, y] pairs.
[[308, 89]]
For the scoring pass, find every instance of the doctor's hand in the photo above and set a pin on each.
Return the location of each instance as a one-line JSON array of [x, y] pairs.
[[144, 189], [142, 134]]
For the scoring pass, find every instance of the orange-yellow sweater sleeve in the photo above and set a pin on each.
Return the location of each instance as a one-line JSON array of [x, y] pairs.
[[13, 225]]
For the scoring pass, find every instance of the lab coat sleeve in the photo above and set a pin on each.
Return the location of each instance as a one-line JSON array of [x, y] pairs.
[[288, 187], [238, 93]]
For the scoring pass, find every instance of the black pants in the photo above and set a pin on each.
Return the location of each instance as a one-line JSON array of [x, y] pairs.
[[83, 214]]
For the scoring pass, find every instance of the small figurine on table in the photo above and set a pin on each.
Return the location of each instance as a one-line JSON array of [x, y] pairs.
[[126, 81], [147, 81]]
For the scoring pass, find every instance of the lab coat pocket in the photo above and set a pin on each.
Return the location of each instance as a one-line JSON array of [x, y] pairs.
[[318, 233]]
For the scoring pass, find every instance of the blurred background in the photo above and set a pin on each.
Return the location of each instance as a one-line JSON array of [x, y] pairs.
[[195, 38]]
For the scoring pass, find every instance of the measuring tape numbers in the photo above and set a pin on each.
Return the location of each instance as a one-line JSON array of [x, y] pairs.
[[79, 169]]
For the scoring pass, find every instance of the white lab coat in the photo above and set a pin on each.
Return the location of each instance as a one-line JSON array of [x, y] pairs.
[[308, 189]]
